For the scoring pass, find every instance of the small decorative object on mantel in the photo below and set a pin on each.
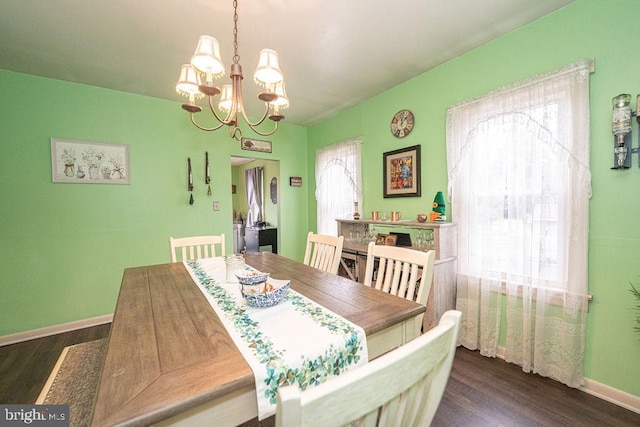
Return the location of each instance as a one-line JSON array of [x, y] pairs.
[[386, 239], [190, 180], [295, 181], [438, 213], [356, 213]]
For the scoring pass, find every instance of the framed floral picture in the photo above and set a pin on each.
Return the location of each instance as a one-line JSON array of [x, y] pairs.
[[83, 162], [401, 171]]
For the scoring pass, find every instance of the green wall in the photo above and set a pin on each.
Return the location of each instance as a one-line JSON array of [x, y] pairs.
[[65, 246], [602, 29]]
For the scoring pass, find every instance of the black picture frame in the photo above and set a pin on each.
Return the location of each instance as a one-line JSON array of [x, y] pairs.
[[401, 172]]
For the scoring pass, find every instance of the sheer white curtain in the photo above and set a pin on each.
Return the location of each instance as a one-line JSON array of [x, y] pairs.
[[338, 183], [519, 186]]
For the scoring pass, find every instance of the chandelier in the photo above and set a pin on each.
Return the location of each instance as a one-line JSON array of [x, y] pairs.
[[206, 64]]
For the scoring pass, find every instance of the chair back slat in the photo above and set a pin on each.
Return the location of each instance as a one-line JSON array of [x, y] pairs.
[[324, 252], [401, 388], [196, 247], [403, 272]]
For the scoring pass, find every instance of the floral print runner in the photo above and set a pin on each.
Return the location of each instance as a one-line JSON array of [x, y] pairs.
[[295, 342]]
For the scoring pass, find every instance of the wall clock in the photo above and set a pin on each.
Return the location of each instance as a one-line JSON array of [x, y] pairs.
[[402, 123]]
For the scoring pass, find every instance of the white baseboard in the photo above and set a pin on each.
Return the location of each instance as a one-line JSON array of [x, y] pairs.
[[613, 395], [603, 391], [55, 329]]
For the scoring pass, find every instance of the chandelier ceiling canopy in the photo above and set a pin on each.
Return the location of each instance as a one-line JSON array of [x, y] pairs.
[[206, 64]]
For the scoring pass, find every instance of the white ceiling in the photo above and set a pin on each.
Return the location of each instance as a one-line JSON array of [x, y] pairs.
[[334, 53]]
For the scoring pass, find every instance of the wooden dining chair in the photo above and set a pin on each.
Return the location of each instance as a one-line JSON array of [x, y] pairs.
[[196, 247], [323, 252], [403, 272], [400, 388]]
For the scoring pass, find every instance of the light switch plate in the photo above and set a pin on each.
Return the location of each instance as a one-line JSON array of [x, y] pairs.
[[216, 206]]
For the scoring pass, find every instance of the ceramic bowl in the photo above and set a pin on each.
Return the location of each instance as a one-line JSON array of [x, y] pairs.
[[275, 293], [422, 217], [247, 277]]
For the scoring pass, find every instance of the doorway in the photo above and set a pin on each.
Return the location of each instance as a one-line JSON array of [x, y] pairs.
[[270, 208]]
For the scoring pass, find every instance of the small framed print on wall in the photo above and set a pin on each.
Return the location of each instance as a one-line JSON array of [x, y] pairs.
[[401, 172], [255, 145]]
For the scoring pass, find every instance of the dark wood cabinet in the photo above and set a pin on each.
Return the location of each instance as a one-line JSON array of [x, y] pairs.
[[257, 237]]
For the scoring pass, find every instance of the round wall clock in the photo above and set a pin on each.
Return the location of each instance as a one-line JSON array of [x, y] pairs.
[[402, 123]]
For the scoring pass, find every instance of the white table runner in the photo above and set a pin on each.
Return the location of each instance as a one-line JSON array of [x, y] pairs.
[[295, 342]]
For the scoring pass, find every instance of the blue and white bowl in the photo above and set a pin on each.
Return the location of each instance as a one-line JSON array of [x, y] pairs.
[[257, 297], [248, 277]]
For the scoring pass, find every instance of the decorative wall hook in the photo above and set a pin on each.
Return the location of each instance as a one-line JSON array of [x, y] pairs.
[[190, 180], [207, 174]]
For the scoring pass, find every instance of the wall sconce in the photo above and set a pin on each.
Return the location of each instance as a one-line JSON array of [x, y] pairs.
[[621, 129]]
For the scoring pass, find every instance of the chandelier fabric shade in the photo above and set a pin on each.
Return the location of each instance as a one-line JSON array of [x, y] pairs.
[[188, 83], [206, 64], [268, 72], [206, 58], [281, 101], [226, 98]]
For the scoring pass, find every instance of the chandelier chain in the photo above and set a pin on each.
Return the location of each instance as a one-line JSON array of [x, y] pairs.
[[236, 57]]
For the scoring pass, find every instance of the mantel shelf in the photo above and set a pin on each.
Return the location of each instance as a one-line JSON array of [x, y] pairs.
[[412, 224]]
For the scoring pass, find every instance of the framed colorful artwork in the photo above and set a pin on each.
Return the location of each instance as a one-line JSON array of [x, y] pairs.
[[401, 172]]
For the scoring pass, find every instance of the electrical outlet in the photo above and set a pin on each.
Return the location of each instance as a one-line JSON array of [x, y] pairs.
[[216, 206]]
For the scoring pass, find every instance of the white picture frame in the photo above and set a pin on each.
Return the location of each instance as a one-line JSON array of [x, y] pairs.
[[84, 162]]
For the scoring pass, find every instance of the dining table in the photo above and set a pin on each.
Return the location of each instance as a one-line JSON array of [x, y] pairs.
[[170, 360]]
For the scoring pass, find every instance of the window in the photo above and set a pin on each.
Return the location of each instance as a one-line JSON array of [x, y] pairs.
[[338, 184], [519, 185]]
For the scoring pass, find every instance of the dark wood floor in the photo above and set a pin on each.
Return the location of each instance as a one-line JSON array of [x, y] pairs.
[[25, 367], [480, 392]]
